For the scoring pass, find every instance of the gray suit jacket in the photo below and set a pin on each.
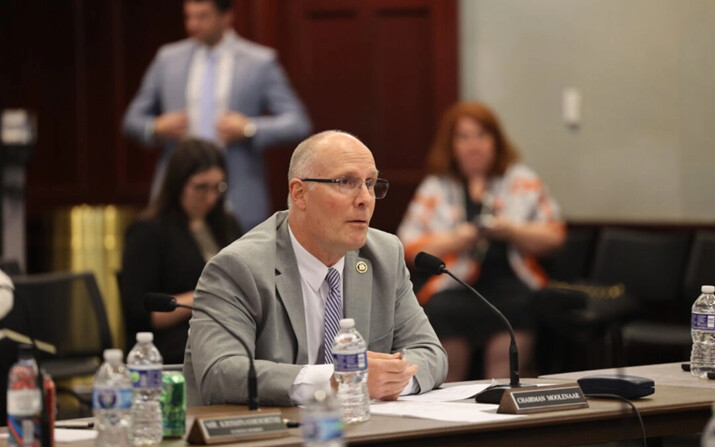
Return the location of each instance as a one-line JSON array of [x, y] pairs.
[[253, 287], [259, 90]]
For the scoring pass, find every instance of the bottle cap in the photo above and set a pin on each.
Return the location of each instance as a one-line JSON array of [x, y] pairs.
[[320, 395], [707, 289], [347, 323], [112, 355], [145, 337]]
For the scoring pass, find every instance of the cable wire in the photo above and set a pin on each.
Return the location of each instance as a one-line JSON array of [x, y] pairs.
[[632, 405]]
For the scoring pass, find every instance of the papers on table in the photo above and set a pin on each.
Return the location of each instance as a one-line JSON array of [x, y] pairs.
[[63, 435], [448, 394], [442, 411], [439, 405]]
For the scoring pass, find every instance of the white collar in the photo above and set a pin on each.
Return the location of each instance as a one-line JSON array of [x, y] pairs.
[[312, 270], [227, 40]]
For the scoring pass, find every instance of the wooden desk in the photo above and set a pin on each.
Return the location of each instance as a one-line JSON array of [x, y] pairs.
[[664, 374], [672, 410]]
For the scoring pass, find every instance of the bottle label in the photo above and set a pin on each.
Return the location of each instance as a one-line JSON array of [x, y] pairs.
[[145, 377], [702, 322], [323, 429], [24, 402], [112, 398], [350, 362], [23, 431]]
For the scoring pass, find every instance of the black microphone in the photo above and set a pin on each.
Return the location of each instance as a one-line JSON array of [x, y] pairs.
[[160, 302], [492, 395]]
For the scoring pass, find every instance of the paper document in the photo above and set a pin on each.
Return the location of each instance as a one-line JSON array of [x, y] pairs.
[[66, 435], [63, 435], [448, 394], [442, 411]]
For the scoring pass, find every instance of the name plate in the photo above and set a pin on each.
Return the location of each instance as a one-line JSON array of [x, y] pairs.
[[246, 426], [542, 398]]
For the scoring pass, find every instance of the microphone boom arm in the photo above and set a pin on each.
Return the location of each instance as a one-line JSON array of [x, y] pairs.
[[513, 349], [252, 379]]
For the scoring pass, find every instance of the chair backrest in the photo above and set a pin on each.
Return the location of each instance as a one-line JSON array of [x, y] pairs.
[[66, 309], [10, 266], [700, 268], [649, 263], [572, 261]]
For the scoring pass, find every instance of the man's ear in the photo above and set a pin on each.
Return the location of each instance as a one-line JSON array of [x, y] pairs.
[[297, 190]]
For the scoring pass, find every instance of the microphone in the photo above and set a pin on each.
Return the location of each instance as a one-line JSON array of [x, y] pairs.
[[491, 395], [160, 302]]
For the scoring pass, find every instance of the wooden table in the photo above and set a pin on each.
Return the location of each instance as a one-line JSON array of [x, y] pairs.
[[672, 410]]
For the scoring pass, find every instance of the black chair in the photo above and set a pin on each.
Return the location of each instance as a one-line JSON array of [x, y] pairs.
[[66, 310], [650, 264], [635, 276], [700, 269], [671, 335], [10, 266], [572, 261]]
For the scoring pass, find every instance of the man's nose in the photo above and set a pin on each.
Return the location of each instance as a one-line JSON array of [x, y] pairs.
[[363, 195]]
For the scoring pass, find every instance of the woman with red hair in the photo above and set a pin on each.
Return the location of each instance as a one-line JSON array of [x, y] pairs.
[[487, 216]]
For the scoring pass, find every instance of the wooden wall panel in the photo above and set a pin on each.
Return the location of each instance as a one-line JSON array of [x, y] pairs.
[[383, 70]]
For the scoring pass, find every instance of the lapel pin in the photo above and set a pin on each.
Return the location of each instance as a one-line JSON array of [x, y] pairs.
[[361, 267]]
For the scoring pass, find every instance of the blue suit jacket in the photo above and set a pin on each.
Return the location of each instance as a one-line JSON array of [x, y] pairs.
[[260, 89]]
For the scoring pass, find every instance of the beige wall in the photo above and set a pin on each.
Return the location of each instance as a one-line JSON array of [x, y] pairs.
[[646, 71]]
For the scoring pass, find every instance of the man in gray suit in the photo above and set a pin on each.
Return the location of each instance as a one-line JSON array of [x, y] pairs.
[[222, 88], [270, 287]]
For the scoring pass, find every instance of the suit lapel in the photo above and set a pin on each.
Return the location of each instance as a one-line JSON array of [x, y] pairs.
[[181, 77], [357, 292], [287, 284]]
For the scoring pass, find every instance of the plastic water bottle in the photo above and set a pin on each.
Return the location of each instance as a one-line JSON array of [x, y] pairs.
[[707, 439], [24, 401], [112, 401], [144, 362], [702, 329], [350, 360], [321, 423]]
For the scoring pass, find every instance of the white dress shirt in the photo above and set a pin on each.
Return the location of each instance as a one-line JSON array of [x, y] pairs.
[[224, 74]]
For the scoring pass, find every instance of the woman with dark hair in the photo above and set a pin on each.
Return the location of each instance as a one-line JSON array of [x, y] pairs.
[[168, 247], [487, 217]]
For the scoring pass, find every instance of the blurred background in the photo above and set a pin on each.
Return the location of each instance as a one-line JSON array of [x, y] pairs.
[[611, 102]]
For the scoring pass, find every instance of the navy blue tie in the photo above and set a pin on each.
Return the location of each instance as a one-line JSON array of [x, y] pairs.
[[333, 313]]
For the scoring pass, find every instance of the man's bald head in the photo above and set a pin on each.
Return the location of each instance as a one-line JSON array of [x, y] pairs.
[[301, 162]]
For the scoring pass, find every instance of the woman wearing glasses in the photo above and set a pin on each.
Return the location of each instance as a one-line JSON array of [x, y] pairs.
[[487, 217], [168, 247]]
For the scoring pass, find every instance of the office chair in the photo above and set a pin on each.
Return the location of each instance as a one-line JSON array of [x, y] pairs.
[[66, 310]]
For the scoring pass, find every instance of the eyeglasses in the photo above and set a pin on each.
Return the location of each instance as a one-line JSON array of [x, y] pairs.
[[377, 187], [205, 188]]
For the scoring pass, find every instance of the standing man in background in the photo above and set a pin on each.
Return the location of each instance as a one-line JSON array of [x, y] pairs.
[[220, 87]]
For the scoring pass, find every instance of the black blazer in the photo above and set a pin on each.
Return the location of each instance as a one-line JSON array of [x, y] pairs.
[[161, 255]]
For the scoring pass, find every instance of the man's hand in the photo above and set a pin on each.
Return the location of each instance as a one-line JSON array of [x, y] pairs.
[[230, 126], [388, 375], [171, 125]]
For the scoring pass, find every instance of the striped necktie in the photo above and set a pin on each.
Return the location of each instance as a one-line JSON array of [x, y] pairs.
[[207, 101], [333, 313]]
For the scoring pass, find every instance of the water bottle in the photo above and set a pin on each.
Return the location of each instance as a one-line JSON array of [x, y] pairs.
[[350, 360], [707, 439], [321, 423], [144, 362], [702, 329], [24, 401], [112, 401]]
